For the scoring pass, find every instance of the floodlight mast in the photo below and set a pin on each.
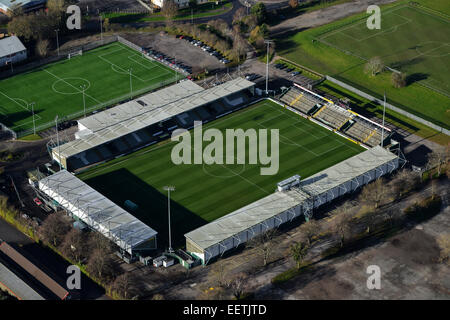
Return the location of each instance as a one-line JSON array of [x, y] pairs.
[[131, 84], [384, 110], [32, 112], [268, 42], [168, 189], [57, 141], [57, 41], [83, 88]]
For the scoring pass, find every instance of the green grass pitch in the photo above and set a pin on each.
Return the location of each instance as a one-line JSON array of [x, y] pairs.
[[412, 39], [207, 192], [56, 89]]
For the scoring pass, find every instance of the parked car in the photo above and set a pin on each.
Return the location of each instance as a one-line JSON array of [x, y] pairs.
[[251, 76], [289, 69], [37, 201], [295, 73]]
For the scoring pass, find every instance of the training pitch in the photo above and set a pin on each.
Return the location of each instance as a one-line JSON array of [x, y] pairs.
[[57, 88], [206, 192], [413, 40]]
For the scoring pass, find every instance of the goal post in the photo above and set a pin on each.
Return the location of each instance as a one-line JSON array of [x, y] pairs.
[[74, 54]]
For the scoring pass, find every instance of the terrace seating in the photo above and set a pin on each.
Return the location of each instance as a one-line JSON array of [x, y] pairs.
[[204, 114], [299, 100], [365, 132], [333, 115]]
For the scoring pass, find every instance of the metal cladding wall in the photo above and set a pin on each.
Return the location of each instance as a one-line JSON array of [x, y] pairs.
[[304, 208], [246, 235]]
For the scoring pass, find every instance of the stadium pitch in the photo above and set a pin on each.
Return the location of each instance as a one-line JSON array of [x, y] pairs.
[[206, 192], [413, 40], [57, 88]]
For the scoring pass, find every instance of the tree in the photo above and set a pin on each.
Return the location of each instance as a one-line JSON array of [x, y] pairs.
[[341, 222], [42, 47], [125, 286], [100, 265], [237, 285], [74, 245], [56, 8], [299, 250], [193, 4], [238, 15], [437, 158], [54, 229], [374, 192], [15, 10], [169, 9], [239, 46], [106, 24], [374, 66], [264, 244], [259, 11], [310, 229], [398, 79], [293, 4], [443, 242]]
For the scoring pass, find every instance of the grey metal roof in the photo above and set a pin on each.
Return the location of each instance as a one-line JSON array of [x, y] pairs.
[[22, 290], [130, 117], [96, 210], [10, 45], [278, 202]]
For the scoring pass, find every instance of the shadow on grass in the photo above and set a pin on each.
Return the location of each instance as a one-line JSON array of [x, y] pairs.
[[121, 185]]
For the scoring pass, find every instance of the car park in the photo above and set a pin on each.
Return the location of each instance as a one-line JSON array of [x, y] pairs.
[[295, 73]]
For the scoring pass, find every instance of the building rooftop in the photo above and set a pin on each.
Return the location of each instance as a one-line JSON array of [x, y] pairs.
[[278, 202], [19, 288], [96, 210], [10, 45], [132, 116]]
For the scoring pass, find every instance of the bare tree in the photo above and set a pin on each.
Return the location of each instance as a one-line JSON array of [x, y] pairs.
[[239, 46], [293, 4], [125, 286], [374, 66], [106, 24], [398, 79], [74, 245], [237, 285], [374, 192], [219, 274], [239, 15], [100, 265], [310, 230], [42, 47], [437, 158], [443, 242], [299, 250], [264, 244], [54, 228], [169, 9], [341, 221]]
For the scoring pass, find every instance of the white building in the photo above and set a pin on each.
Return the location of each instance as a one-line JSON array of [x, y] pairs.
[[11, 50]]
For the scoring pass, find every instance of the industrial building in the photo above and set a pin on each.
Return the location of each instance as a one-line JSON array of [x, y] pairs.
[[99, 213], [217, 237], [149, 119], [12, 50]]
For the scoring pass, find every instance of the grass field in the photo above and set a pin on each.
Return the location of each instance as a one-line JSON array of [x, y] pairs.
[[56, 88], [414, 40], [207, 192]]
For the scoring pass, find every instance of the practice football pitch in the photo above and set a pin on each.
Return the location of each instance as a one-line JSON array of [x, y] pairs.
[[57, 88], [412, 40], [206, 192]]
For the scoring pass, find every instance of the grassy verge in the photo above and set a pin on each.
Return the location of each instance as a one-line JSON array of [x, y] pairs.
[[290, 274], [367, 107], [296, 67], [31, 137]]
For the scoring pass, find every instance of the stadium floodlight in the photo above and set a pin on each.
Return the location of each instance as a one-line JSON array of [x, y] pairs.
[[83, 88], [32, 112], [168, 189], [10, 58], [131, 84], [268, 42], [57, 41], [382, 128], [57, 141], [101, 28]]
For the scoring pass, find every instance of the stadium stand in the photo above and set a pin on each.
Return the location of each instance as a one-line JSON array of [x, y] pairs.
[[139, 123], [299, 100], [333, 115]]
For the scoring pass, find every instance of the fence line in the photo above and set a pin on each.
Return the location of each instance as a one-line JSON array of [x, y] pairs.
[[388, 105]]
